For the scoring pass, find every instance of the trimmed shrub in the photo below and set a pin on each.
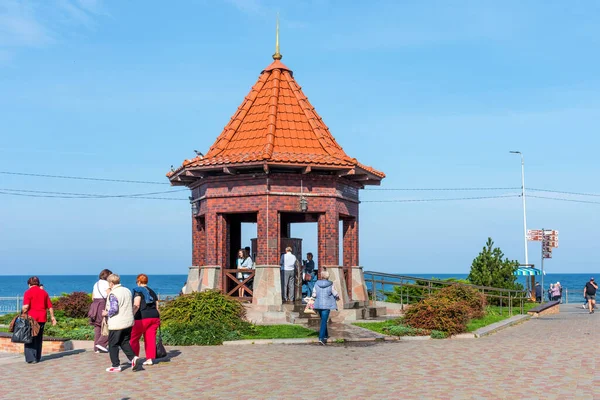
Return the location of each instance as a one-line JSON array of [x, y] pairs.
[[202, 308], [186, 334], [440, 314], [74, 305], [471, 296], [203, 318]]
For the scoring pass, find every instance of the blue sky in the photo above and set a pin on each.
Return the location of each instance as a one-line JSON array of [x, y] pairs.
[[434, 94]]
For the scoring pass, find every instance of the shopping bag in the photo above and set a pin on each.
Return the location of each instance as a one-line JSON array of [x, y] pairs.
[[161, 352], [104, 327], [310, 306], [22, 332]]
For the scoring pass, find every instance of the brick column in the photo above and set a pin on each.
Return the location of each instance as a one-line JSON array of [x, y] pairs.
[[211, 238], [198, 241], [329, 238], [350, 242], [267, 227]]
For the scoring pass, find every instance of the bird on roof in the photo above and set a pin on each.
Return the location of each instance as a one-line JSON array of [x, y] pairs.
[[172, 169], [198, 153]]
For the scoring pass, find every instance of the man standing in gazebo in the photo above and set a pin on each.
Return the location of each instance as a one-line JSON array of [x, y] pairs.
[[289, 272]]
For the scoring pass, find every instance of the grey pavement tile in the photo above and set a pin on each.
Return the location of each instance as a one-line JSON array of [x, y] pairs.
[[547, 357]]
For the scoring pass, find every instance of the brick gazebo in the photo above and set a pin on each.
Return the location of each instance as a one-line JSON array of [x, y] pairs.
[[275, 163]]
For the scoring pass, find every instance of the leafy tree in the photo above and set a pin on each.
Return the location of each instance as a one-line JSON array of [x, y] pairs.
[[490, 269]]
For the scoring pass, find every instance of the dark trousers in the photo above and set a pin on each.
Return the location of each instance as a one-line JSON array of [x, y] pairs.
[[99, 339], [119, 340], [33, 350]]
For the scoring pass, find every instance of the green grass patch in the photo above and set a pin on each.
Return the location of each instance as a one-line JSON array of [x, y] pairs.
[[378, 326], [394, 327], [493, 314], [279, 332]]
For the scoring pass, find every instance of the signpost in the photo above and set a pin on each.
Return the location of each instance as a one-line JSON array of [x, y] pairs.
[[549, 239]]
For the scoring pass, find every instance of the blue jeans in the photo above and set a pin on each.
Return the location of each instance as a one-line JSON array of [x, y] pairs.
[[310, 285], [324, 314]]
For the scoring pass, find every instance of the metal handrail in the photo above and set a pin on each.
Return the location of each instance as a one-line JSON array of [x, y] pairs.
[[403, 281]]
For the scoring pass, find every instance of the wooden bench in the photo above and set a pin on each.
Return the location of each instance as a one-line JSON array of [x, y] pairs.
[[551, 307], [50, 345]]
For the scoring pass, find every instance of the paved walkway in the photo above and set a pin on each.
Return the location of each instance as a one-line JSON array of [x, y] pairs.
[[549, 357]]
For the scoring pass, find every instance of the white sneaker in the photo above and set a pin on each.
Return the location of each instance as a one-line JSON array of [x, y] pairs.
[[148, 362], [101, 348], [113, 369]]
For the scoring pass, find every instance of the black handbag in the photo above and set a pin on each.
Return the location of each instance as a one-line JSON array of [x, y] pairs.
[[22, 331], [161, 352]]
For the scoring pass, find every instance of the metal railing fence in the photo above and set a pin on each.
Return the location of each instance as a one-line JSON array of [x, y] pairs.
[[412, 289], [13, 304]]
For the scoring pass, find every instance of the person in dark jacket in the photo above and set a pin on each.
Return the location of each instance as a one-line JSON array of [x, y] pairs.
[[538, 292], [325, 300]]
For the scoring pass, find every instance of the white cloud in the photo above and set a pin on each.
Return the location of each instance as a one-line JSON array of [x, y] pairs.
[[19, 26], [38, 23]]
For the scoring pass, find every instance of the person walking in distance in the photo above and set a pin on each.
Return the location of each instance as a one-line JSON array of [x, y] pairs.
[[589, 292], [36, 303], [147, 318], [120, 321], [289, 272], [326, 298], [99, 296]]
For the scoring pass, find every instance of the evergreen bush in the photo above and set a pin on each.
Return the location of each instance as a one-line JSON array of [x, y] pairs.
[[74, 305], [203, 334], [440, 314], [203, 318]]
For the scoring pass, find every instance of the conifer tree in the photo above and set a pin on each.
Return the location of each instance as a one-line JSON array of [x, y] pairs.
[[489, 269]]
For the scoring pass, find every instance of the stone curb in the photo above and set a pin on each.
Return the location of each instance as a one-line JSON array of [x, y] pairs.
[[331, 340], [493, 328]]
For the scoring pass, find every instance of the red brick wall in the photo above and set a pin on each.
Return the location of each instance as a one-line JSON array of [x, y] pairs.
[[6, 346], [329, 197]]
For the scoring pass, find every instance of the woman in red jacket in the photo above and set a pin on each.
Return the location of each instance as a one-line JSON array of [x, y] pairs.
[[35, 303]]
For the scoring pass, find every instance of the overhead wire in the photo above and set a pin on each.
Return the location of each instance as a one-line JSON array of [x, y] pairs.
[[82, 197], [90, 195], [83, 178], [149, 195], [439, 199], [559, 199], [440, 189]]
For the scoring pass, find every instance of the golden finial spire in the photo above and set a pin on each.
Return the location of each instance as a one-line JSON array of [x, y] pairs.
[[277, 55]]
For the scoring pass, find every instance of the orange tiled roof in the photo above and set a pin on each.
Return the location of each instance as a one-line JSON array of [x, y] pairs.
[[276, 124]]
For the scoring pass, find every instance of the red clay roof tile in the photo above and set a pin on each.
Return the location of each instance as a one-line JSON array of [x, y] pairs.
[[276, 124]]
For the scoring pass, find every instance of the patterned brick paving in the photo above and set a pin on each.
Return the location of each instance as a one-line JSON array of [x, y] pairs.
[[550, 357]]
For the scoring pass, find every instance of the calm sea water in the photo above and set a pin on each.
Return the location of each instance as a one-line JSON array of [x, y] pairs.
[[55, 285], [14, 285], [572, 283]]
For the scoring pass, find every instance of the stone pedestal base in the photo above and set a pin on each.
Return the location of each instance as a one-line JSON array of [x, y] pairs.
[[193, 281], [210, 277], [336, 275], [359, 287], [203, 278], [267, 288]]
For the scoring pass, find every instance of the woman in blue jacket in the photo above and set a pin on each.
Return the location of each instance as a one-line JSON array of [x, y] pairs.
[[325, 300]]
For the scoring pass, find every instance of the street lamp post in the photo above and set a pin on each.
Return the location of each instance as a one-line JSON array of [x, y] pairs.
[[524, 208]]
